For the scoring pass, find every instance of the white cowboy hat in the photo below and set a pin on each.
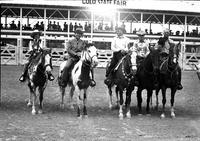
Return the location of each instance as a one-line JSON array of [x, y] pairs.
[[35, 32], [140, 33]]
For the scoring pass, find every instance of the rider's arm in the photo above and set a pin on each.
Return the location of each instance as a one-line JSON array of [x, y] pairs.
[[70, 49], [113, 45]]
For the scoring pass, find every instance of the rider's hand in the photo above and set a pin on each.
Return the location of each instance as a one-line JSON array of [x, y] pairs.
[[123, 52], [78, 54]]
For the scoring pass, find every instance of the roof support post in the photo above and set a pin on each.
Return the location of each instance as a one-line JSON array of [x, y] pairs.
[[163, 24], [92, 24], [45, 25], [19, 49], [184, 44]]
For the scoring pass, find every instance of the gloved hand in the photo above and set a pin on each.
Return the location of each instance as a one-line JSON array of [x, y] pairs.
[[78, 54], [123, 52]]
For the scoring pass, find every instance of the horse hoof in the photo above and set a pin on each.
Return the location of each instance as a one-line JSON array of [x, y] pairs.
[[173, 115], [40, 112], [139, 114], [71, 107], [110, 107], [121, 116], [29, 104], [62, 106], [79, 117], [128, 115], [162, 116], [33, 112], [85, 116], [148, 115]]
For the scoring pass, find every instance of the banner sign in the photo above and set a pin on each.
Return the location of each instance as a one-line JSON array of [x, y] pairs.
[[106, 2]]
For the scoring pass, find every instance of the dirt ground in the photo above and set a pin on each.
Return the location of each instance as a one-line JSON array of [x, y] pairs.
[[102, 124]]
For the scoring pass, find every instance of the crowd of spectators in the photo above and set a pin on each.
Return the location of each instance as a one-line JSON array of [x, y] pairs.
[[53, 26]]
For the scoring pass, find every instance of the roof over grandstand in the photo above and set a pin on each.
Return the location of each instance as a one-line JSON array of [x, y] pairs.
[[187, 6]]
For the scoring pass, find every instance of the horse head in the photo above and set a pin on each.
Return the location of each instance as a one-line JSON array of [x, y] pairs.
[[174, 53], [89, 56]]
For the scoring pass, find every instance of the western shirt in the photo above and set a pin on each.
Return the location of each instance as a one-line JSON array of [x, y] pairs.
[[120, 43]]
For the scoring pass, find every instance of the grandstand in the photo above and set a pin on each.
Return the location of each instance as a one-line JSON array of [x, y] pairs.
[[98, 18]]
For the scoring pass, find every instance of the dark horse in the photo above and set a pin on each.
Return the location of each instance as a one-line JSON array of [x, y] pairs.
[[147, 74], [37, 77], [169, 73], [80, 78], [123, 80]]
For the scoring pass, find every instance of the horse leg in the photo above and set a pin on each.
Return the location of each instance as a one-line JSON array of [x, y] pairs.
[[117, 96], [149, 96], [121, 104], [110, 94], [127, 103], [157, 102], [139, 100], [34, 101], [71, 94], [78, 102], [62, 91], [173, 91], [84, 103], [41, 92], [29, 104], [163, 102]]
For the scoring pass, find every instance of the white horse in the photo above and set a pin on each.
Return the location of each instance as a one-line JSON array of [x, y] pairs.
[[80, 77]]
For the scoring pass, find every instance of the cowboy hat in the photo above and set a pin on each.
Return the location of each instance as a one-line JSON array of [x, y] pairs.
[[78, 31], [120, 28], [35, 32], [140, 33], [166, 30]]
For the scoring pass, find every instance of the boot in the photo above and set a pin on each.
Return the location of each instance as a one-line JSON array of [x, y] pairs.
[[22, 78], [92, 83], [108, 80], [50, 77]]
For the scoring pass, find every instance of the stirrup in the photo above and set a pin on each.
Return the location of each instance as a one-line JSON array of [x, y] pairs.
[[92, 83], [22, 78], [51, 77]]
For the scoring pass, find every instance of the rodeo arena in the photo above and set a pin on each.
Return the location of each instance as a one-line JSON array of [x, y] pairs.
[[100, 70]]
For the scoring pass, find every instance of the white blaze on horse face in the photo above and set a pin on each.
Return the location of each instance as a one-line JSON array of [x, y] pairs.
[[93, 55], [62, 66], [133, 60], [76, 72], [47, 62]]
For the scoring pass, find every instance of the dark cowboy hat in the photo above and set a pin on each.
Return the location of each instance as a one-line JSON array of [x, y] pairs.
[[78, 31], [35, 32], [140, 33]]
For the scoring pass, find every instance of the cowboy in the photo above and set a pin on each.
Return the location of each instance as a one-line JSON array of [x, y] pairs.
[[141, 47], [163, 45], [120, 47], [74, 49], [36, 47]]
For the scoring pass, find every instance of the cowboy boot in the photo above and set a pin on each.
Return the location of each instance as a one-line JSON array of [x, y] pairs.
[[24, 73], [92, 83], [50, 76]]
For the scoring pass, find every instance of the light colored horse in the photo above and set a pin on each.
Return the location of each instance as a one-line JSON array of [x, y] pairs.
[[80, 78], [37, 77]]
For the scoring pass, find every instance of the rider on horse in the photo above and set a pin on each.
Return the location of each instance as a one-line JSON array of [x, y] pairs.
[[164, 44], [141, 47], [74, 49], [36, 48], [120, 47]]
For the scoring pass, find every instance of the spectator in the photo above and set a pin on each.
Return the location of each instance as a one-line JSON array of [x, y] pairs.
[[86, 27], [71, 27], [41, 26], [75, 26], [65, 27], [13, 25], [54, 25], [100, 26], [58, 28], [18, 25], [80, 26]]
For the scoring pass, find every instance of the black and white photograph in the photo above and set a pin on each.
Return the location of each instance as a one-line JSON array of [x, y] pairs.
[[100, 70]]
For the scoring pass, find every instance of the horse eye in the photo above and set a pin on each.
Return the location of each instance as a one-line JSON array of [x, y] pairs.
[[89, 51]]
